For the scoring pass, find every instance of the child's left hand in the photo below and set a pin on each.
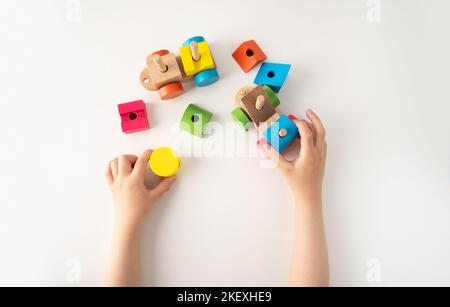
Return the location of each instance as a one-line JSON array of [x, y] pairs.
[[132, 199]]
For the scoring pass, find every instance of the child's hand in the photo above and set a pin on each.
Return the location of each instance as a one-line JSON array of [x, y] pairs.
[[132, 199], [305, 175]]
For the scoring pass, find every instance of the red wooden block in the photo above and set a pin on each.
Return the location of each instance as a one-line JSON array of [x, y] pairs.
[[248, 55], [134, 116]]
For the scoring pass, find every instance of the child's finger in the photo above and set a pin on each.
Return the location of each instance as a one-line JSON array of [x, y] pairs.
[[108, 175], [277, 158], [307, 139], [313, 130], [141, 164], [126, 163], [162, 187], [115, 168], [318, 126]]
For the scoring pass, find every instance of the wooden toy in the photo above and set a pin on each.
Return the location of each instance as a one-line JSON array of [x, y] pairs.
[[133, 116], [281, 133], [163, 74], [273, 75], [195, 119], [257, 104], [164, 162], [243, 115], [248, 55], [272, 96], [198, 61]]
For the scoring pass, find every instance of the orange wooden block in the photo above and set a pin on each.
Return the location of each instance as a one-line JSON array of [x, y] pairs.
[[159, 52], [248, 55], [171, 90]]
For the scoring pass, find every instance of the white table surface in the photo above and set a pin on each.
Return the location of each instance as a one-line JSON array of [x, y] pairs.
[[380, 87]]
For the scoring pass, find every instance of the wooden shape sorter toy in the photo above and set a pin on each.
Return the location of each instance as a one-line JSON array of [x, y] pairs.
[[257, 105], [198, 61], [133, 116], [163, 74], [248, 55]]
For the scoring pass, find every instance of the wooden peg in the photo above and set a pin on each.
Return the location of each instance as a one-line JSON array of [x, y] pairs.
[[194, 51], [260, 102], [283, 133], [160, 63]]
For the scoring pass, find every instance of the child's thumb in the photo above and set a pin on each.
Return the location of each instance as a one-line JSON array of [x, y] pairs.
[[162, 187]]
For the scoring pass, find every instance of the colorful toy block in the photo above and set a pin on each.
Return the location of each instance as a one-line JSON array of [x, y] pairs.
[[281, 133], [133, 116], [272, 96], [163, 69], [257, 105], [164, 74], [292, 117], [206, 77], [195, 119], [252, 109], [248, 55], [273, 75], [198, 61], [164, 162], [171, 90], [241, 118]]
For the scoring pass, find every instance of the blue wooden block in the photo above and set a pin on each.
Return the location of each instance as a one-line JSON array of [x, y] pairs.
[[273, 137], [273, 75], [197, 39], [206, 77]]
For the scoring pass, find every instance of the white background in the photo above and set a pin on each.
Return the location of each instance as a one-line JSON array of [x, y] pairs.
[[381, 88]]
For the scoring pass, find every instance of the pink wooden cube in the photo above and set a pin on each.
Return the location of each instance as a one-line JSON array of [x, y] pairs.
[[134, 116], [262, 143], [292, 117]]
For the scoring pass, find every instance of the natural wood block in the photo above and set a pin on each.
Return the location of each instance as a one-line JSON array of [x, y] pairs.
[[146, 81], [170, 75], [249, 103]]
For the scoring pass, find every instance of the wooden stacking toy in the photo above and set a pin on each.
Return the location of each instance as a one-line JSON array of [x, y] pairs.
[[198, 61], [163, 74], [256, 104]]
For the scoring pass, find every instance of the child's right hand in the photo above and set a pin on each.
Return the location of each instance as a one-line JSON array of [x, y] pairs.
[[132, 199], [305, 175]]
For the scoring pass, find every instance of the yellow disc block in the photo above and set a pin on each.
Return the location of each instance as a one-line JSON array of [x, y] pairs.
[[164, 162]]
